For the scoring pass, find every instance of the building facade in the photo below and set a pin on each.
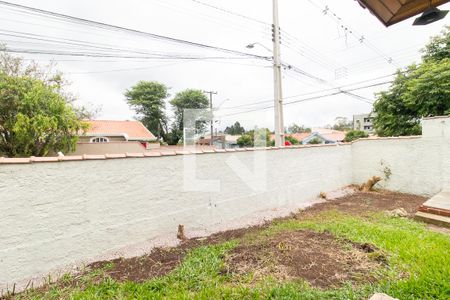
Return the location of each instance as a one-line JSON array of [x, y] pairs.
[[364, 122], [111, 137]]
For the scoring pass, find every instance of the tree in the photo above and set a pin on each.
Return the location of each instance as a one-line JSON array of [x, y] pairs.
[[294, 128], [342, 124], [187, 99], [36, 115], [419, 91], [292, 140], [147, 99], [352, 135], [255, 138], [245, 141], [235, 129], [438, 48]]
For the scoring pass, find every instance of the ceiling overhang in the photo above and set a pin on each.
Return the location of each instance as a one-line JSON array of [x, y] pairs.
[[390, 12]]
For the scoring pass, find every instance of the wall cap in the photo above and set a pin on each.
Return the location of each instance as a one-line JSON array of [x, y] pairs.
[[437, 117], [153, 153], [114, 156], [410, 137]]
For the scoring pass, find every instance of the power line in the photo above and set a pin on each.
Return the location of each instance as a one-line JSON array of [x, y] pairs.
[[124, 29], [315, 98], [320, 91], [232, 13], [312, 55], [295, 44], [293, 68], [326, 11], [265, 31], [94, 54], [158, 66], [358, 97], [72, 42], [127, 69]]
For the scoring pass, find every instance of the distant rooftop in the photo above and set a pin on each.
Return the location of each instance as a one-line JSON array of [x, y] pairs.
[[131, 130]]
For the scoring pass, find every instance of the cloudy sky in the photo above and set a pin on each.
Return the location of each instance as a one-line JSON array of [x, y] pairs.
[[328, 45]]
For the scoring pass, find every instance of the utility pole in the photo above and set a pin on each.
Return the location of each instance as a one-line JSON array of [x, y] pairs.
[[278, 99], [212, 116]]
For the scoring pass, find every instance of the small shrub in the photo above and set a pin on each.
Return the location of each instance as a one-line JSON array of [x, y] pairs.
[[315, 141], [353, 135]]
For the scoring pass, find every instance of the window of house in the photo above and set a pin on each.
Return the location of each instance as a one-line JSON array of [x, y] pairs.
[[100, 140]]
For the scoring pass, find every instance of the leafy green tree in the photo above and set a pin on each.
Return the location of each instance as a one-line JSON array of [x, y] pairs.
[[294, 128], [36, 115], [187, 99], [245, 141], [343, 124], [259, 137], [354, 135], [235, 129], [147, 99], [438, 48], [419, 91]]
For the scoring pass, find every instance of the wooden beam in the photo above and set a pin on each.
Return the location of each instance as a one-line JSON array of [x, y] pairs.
[[390, 12]]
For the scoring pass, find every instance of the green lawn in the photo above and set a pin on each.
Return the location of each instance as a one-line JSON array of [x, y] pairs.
[[418, 267]]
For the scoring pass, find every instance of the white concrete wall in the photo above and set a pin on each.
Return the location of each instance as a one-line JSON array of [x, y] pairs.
[[419, 165], [415, 166], [56, 214]]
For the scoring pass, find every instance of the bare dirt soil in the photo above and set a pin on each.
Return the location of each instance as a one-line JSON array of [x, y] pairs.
[[161, 261], [318, 258], [364, 203]]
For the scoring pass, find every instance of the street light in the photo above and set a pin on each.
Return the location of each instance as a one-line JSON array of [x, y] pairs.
[[431, 15], [252, 45], [278, 99]]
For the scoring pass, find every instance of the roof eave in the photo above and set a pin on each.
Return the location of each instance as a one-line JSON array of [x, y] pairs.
[[407, 11]]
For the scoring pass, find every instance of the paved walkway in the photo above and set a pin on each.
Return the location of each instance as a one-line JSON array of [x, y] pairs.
[[436, 210]]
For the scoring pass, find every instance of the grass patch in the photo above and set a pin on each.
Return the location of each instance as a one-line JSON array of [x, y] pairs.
[[418, 267], [419, 259]]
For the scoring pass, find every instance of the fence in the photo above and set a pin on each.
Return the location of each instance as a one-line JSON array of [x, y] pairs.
[[58, 214]]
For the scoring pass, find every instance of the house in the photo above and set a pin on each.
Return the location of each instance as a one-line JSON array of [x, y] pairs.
[[317, 136], [112, 137], [221, 141], [324, 136], [364, 122], [300, 136]]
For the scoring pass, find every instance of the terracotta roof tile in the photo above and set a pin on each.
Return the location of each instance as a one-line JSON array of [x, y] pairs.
[[335, 136], [134, 130]]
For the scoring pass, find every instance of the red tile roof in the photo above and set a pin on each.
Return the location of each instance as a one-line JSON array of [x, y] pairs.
[[133, 130], [335, 135], [299, 136]]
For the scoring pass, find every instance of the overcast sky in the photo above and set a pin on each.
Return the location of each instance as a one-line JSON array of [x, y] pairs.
[[327, 46]]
